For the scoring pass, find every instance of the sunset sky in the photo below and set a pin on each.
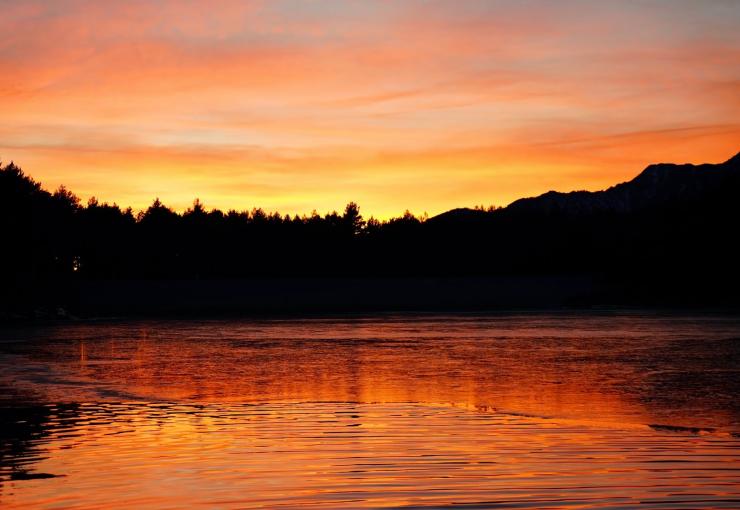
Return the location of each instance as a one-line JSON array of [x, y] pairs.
[[295, 105]]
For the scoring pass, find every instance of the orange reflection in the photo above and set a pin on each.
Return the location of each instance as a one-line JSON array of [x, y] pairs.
[[339, 455], [591, 368], [521, 410]]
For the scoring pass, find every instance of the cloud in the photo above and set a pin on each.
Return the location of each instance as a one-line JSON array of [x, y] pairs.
[[424, 104]]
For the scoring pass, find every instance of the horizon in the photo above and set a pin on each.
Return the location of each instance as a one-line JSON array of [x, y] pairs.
[[424, 106], [421, 216]]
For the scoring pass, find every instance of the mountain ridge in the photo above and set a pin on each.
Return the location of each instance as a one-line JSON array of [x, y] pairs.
[[658, 184], [666, 237]]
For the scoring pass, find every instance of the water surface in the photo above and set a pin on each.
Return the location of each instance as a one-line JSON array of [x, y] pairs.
[[527, 410]]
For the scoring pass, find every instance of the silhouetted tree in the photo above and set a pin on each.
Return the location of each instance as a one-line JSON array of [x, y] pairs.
[[353, 219], [683, 232]]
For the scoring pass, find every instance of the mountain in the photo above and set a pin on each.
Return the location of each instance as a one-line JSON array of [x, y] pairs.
[[667, 236], [459, 215], [658, 185]]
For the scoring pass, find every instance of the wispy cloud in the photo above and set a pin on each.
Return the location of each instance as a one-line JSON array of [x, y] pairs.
[[303, 104]]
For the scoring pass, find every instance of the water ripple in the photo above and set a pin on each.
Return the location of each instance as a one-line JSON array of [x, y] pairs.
[[350, 455]]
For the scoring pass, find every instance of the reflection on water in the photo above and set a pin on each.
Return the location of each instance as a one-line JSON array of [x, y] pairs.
[[472, 412], [352, 455]]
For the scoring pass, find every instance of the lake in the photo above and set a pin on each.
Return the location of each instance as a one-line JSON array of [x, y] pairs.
[[526, 410]]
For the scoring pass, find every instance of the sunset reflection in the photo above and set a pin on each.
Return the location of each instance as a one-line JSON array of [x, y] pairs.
[[595, 369], [400, 411], [340, 455]]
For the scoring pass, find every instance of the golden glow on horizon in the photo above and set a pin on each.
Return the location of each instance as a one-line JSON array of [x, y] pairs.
[[295, 106]]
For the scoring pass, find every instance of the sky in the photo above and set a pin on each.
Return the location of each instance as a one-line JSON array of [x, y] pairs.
[[301, 105]]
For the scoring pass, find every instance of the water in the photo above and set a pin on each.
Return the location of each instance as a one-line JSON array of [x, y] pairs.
[[530, 410]]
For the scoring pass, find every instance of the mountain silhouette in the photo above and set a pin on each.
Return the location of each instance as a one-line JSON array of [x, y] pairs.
[[657, 186], [668, 235]]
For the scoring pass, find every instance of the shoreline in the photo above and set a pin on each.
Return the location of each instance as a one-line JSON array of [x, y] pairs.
[[327, 296]]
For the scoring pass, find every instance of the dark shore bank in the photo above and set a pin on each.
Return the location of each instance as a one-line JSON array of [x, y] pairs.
[[329, 295], [314, 295], [665, 239]]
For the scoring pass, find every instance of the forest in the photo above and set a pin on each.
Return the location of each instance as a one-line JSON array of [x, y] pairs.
[[677, 231]]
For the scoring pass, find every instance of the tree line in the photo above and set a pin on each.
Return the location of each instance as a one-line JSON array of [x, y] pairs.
[[51, 236]]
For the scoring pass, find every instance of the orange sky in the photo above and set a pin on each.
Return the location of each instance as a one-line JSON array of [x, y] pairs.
[[418, 104]]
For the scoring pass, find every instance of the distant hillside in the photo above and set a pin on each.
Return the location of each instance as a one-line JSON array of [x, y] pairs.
[[657, 186], [668, 236]]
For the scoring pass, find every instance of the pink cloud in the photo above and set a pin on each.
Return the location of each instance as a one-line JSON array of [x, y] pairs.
[[339, 98]]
